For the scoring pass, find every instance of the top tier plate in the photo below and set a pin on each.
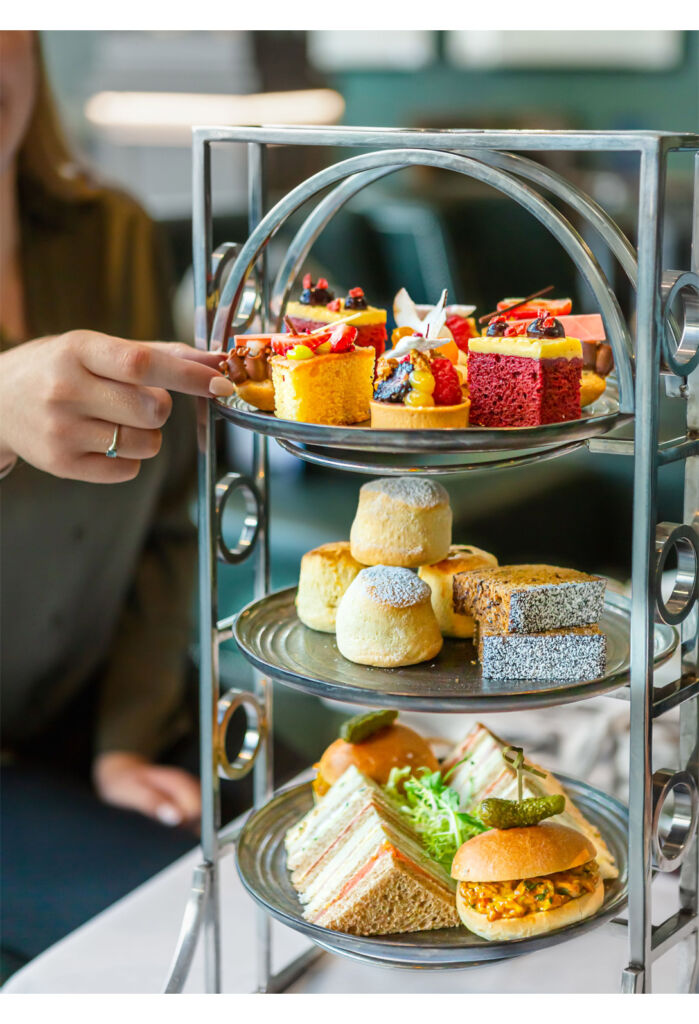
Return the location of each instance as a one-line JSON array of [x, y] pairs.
[[600, 417]]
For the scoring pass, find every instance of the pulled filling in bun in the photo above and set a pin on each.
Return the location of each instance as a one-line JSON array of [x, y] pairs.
[[497, 900]]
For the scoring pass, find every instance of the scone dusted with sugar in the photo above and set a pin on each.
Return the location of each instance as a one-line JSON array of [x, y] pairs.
[[440, 578], [404, 521], [386, 619], [326, 573], [529, 598]]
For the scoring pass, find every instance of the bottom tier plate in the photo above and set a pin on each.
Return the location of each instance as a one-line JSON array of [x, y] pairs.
[[261, 861]]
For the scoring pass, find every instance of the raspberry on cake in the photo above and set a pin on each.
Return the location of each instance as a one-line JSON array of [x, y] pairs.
[[525, 379], [322, 378], [317, 306], [420, 390]]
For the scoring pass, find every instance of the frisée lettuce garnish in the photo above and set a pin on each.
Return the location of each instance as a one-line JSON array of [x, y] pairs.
[[432, 807]]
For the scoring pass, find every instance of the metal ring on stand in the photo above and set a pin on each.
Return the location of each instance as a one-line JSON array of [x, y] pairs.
[[681, 356], [252, 522], [672, 834], [252, 740], [686, 588], [251, 300], [308, 454]]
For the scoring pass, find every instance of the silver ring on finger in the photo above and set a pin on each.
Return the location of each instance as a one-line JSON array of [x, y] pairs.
[[112, 452]]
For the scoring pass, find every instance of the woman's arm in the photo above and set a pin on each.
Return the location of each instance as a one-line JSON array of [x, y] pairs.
[[62, 397]]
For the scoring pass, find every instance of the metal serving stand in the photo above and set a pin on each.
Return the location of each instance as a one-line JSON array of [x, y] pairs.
[[233, 288]]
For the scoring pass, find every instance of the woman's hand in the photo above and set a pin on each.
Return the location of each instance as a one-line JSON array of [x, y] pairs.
[[170, 795], [61, 398]]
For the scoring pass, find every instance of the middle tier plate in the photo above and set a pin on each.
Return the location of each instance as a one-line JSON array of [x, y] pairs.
[[598, 418], [271, 636]]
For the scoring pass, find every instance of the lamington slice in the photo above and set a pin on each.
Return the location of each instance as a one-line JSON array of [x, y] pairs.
[[477, 770], [576, 653], [529, 598]]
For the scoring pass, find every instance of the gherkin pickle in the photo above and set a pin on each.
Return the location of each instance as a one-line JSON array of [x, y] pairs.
[[361, 727], [496, 813]]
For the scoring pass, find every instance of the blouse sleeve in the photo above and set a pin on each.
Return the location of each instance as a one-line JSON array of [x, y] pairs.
[[142, 705]]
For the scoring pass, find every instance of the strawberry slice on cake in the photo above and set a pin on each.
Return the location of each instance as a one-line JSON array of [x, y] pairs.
[[317, 306]]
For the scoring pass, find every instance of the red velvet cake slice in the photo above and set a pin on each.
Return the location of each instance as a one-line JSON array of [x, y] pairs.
[[524, 380]]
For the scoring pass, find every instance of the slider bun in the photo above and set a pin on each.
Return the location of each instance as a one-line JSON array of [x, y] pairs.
[[396, 746], [503, 855], [259, 393], [531, 924]]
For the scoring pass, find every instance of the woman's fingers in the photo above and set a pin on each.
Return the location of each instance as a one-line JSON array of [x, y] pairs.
[[114, 402], [182, 351], [181, 788], [143, 364], [131, 442], [98, 469]]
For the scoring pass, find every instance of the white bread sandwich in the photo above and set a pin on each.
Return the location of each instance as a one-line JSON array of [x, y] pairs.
[[359, 867], [484, 773], [517, 882]]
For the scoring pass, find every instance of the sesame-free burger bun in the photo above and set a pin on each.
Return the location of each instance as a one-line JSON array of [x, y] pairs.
[[531, 924], [395, 746], [503, 855]]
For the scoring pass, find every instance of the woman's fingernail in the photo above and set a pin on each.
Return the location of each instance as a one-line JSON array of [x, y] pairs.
[[221, 387], [168, 815]]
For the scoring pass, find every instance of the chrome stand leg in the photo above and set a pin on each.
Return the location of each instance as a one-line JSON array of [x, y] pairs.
[[194, 914], [648, 332], [280, 982]]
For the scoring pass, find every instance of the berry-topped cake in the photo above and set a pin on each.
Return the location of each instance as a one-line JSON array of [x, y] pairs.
[[317, 306], [524, 374], [588, 328], [322, 378]]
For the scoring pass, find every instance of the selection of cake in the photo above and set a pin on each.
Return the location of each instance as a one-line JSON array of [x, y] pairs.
[[534, 364], [535, 621], [397, 843]]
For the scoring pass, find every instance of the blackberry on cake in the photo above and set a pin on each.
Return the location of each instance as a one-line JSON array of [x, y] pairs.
[[317, 306], [524, 375]]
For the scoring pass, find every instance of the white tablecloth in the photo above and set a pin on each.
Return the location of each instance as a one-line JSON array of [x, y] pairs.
[[128, 948]]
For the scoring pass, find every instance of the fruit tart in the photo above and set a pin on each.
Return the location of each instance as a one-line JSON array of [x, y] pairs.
[[524, 374], [317, 306], [322, 378], [419, 390], [458, 327]]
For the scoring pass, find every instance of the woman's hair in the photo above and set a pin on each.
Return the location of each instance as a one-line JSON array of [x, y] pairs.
[[45, 160]]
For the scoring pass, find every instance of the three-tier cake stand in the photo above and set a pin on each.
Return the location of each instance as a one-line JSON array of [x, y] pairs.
[[233, 288]]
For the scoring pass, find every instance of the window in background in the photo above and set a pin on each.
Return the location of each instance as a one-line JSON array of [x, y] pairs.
[[578, 50], [386, 51]]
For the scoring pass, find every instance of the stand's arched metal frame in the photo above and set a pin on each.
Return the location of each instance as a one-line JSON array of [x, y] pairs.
[[657, 840]]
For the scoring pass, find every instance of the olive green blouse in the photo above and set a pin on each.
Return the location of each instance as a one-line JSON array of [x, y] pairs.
[[96, 582]]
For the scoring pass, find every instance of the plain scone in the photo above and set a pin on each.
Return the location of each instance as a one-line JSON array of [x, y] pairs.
[[386, 619], [326, 573], [440, 577], [404, 521]]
